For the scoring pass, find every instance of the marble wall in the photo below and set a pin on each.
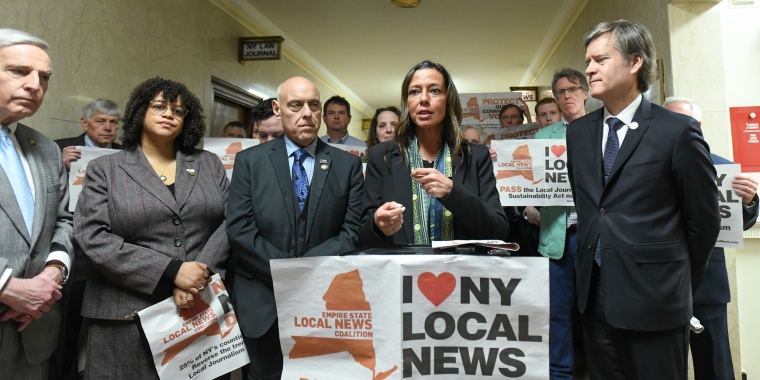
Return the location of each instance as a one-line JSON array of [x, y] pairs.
[[103, 49]]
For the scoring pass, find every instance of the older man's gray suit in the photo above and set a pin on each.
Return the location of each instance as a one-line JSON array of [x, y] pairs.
[[27, 255]]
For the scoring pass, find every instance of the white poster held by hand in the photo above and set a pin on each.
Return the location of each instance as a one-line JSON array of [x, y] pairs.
[[226, 148], [482, 109], [731, 213], [200, 343], [79, 168], [532, 172]]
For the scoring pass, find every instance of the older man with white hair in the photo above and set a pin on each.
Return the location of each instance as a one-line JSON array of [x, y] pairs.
[[35, 226], [710, 350]]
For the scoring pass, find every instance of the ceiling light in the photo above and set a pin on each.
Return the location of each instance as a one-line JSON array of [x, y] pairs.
[[406, 3]]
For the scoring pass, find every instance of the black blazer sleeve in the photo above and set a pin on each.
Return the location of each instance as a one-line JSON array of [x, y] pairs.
[[374, 175], [693, 170]]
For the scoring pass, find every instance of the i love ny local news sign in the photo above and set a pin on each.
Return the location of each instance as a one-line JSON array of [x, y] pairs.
[[413, 317]]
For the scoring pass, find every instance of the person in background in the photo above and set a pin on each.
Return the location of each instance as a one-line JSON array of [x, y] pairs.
[[557, 237], [383, 126], [570, 88], [473, 134], [150, 219], [100, 122], [511, 115], [268, 124], [547, 112], [35, 225], [430, 163], [234, 129], [711, 350], [648, 217], [337, 115]]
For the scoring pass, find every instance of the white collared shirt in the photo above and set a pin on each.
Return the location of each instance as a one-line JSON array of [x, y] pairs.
[[88, 142], [308, 162], [55, 255], [626, 116]]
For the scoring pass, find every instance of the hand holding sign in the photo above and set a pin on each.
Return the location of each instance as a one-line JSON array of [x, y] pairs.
[[70, 153], [746, 187]]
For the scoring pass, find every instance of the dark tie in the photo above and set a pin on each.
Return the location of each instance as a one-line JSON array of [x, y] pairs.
[[610, 153], [14, 170], [300, 179]]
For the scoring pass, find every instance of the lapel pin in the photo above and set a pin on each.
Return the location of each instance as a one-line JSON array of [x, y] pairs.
[[32, 142], [323, 163], [634, 125], [190, 171]]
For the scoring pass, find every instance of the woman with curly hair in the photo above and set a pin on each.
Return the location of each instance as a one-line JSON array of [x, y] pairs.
[[383, 126], [150, 219], [429, 183]]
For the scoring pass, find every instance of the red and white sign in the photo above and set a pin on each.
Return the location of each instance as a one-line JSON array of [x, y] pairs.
[[532, 172], [745, 127], [413, 316], [227, 148], [79, 168], [200, 343]]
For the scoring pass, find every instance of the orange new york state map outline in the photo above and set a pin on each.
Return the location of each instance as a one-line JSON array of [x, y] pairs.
[[521, 153], [345, 293]]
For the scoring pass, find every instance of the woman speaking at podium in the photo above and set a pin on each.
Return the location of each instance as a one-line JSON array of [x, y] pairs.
[[428, 183]]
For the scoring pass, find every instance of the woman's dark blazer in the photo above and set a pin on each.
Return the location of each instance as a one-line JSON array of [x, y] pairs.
[[130, 226], [473, 200]]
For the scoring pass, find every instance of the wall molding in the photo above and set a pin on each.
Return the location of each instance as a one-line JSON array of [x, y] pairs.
[[564, 20], [259, 25]]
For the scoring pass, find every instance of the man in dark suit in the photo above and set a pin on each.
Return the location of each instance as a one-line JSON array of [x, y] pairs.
[[35, 225], [648, 218], [711, 350], [289, 198], [100, 122]]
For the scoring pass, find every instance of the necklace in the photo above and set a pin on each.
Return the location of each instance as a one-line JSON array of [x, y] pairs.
[[161, 176], [427, 158]]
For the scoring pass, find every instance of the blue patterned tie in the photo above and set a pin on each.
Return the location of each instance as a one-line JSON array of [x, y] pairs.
[[610, 153], [300, 179], [14, 170]]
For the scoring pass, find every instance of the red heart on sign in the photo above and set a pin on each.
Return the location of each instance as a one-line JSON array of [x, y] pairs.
[[436, 288], [558, 150]]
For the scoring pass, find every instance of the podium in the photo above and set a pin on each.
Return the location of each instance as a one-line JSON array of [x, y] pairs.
[[405, 312]]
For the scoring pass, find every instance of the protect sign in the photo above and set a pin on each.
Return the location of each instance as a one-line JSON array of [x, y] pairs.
[[413, 317]]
